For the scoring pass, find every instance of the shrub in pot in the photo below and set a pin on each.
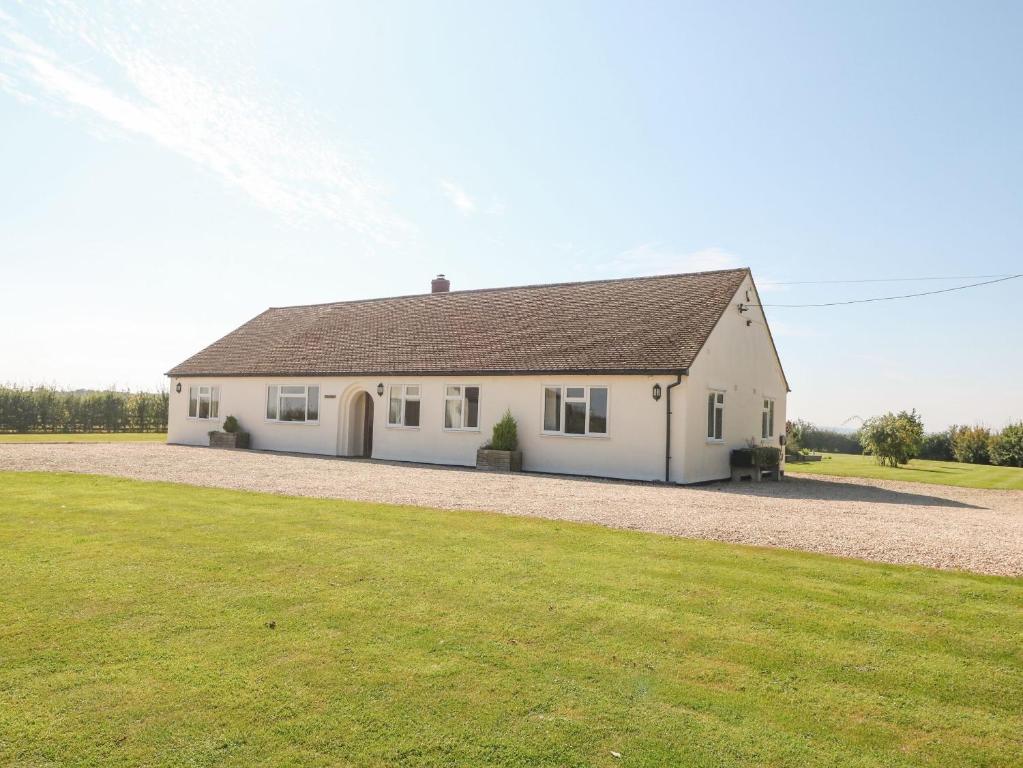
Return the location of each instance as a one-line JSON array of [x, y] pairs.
[[231, 436], [501, 453], [506, 434], [761, 456]]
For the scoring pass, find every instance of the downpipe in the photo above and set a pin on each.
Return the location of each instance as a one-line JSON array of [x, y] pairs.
[[667, 430]]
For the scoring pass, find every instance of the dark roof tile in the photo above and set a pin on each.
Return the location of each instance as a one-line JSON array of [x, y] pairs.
[[633, 324]]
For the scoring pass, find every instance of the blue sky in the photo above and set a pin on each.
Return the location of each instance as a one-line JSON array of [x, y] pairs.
[[170, 171]]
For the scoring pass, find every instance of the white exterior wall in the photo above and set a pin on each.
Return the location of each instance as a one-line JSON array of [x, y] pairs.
[[740, 360], [632, 449]]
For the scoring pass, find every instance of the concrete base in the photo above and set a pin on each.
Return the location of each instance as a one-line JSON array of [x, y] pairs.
[[757, 474]]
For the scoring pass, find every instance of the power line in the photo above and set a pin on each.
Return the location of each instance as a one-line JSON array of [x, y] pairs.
[[881, 280], [893, 298]]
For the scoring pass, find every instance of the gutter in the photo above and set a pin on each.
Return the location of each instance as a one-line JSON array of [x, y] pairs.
[[428, 373], [667, 423]]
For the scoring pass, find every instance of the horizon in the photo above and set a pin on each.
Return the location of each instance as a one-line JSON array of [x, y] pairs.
[[172, 172]]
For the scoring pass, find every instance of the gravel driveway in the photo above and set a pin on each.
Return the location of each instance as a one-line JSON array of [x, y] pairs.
[[892, 522]]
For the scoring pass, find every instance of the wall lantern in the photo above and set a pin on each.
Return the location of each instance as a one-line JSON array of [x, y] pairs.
[[380, 389], [657, 391], [178, 388]]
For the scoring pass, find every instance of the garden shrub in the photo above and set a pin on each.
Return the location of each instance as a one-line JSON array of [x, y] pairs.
[[506, 434], [231, 424], [970, 444], [937, 446], [1006, 448], [893, 439]]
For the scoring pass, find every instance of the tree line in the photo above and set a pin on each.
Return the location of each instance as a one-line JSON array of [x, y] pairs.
[[44, 409], [895, 438]]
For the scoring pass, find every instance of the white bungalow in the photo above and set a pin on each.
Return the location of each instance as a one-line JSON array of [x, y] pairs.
[[652, 378]]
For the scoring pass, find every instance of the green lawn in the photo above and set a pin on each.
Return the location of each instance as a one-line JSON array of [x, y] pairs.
[[86, 437], [917, 471], [154, 624]]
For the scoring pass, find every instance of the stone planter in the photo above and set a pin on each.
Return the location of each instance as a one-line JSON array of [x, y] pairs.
[[498, 461], [756, 464], [229, 439]]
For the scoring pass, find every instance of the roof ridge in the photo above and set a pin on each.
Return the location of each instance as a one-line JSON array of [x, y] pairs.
[[513, 288]]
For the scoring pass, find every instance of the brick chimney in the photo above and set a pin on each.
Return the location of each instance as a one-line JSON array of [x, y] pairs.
[[440, 284]]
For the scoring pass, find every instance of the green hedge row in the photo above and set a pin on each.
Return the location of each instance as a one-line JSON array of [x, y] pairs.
[[42, 409]]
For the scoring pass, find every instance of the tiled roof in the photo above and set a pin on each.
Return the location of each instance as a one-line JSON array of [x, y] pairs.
[[645, 324]]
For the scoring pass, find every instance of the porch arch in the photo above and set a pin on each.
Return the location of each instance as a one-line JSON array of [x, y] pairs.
[[355, 421]]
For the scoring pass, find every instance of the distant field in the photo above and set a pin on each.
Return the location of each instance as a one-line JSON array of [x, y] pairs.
[[87, 437], [917, 471]]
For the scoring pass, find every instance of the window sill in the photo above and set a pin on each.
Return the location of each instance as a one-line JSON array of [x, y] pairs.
[[296, 423], [456, 430], [597, 436], [402, 427], [715, 441], [203, 418]]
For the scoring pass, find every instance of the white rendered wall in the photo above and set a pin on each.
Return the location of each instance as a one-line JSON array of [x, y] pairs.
[[633, 447], [738, 359]]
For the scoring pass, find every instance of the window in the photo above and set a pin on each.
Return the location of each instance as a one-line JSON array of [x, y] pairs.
[[293, 403], [767, 419], [575, 410], [403, 405], [203, 402], [461, 407], [715, 415]]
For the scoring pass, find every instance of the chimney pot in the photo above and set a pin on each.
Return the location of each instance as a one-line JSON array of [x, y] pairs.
[[440, 284]]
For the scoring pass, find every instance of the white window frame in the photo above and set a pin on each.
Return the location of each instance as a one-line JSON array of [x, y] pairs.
[[464, 409], [564, 400], [719, 405], [280, 394], [767, 419], [212, 392], [405, 397]]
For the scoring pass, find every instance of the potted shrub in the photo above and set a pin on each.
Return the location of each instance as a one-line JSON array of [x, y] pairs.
[[501, 453], [755, 461], [231, 436]]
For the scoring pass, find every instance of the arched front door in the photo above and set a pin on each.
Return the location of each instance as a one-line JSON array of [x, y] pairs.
[[367, 425], [355, 425]]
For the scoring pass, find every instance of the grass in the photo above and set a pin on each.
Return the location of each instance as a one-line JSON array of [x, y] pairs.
[[84, 437], [917, 471], [155, 624]]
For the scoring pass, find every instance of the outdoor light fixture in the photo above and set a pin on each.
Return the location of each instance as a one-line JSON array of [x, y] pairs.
[[178, 388], [657, 391], [380, 389]]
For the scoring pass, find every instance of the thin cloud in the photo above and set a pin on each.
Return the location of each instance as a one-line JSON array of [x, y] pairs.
[[653, 259], [458, 197], [148, 81]]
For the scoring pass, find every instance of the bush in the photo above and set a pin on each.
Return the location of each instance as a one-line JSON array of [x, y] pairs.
[[794, 436], [1006, 448], [506, 434], [970, 444], [937, 446], [893, 438], [756, 456], [231, 424]]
